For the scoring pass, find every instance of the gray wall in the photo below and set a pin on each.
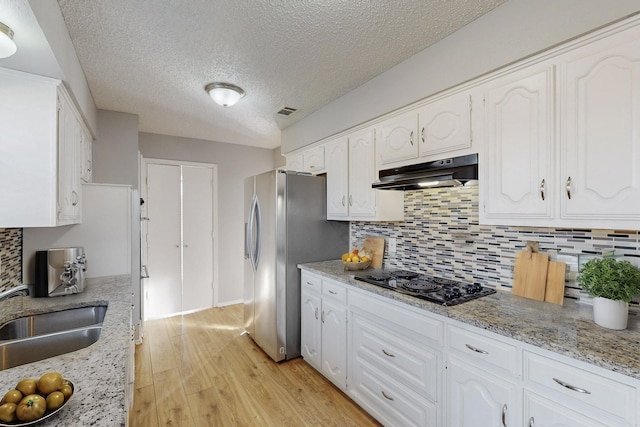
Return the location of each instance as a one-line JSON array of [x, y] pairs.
[[516, 29], [115, 152], [235, 163]]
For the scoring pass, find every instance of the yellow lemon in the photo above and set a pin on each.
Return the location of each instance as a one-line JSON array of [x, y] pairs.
[[355, 258], [345, 256]]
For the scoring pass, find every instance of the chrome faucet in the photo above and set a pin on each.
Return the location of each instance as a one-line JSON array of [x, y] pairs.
[[14, 292]]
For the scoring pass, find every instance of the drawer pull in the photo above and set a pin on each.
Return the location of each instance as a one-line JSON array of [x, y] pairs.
[[386, 396], [477, 350], [309, 283], [333, 292], [572, 387], [532, 422], [388, 354]]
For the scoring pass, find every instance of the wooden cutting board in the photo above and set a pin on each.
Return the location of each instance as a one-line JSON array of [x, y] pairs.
[[554, 291], [530, 275], [375, 247]]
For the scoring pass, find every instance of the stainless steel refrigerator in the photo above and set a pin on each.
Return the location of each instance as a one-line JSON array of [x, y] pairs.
[[285, 224]]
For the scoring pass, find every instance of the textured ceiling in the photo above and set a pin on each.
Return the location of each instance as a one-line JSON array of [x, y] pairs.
[[153, 58]]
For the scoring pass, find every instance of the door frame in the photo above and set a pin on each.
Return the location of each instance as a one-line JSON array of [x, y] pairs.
[[144, 194]]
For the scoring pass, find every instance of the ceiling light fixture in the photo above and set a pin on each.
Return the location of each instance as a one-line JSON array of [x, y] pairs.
[[225, 94], [7, 46]]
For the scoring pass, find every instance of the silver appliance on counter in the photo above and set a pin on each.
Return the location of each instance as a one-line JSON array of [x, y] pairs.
[[285, 214], [60, 271]]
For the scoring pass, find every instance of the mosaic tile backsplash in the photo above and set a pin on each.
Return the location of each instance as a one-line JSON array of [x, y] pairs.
[[441, 235], [10, 258]]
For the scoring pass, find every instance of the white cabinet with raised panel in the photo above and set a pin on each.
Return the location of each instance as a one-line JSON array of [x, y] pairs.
[[482, 379], [324, 327], [350, 167], [397, 139], [395, 361], [518, 177], [599, 123], [310, 161], [41, 136], [445, 126], [563, 137]]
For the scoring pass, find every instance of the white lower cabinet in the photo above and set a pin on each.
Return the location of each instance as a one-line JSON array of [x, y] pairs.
[[409, 367], [479, 398], [324, 327], [395, 362]]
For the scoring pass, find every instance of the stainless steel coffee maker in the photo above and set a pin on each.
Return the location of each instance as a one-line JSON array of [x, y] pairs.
[[60, 271]]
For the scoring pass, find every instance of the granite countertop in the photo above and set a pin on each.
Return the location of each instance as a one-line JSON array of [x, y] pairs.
[[568, 330], [97, 372]]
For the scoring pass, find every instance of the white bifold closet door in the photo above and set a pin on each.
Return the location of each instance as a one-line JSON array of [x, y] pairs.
[[179, 239]]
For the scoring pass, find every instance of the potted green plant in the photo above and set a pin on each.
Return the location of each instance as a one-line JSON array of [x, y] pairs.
[[612, 284]]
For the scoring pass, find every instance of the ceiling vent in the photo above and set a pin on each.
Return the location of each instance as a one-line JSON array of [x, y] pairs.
[[287, 111]]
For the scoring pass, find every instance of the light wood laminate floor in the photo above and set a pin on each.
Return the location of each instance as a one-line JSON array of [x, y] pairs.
[[198, 370]]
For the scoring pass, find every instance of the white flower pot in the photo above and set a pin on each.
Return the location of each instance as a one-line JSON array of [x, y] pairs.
[[610, 314]]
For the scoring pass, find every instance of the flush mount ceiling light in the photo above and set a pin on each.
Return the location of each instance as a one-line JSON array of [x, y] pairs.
[[7, 46], [225, 94]]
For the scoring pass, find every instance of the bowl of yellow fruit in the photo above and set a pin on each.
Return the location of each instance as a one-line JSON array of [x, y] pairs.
[[356, 260]]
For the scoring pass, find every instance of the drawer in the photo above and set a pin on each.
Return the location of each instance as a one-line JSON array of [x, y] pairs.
[[310, 282], [334, 290], [594, 389], [388, 401], [483, 349], [395, 315], [400, 357]]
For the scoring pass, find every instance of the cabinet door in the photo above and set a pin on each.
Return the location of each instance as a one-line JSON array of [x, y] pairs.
[[479, 398], [540, 412], [334, 342], [362, 173], [397, 139], [445, 125], [313, 160], [337, 159], [87, 160], [69, 159], [600, 131], [311, 326], [294, 163], [518, 171]]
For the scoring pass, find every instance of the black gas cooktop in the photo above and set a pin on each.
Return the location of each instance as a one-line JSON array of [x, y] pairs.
[[435, 289]]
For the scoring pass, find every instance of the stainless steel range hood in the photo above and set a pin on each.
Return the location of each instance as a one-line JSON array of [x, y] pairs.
[[450, 172]]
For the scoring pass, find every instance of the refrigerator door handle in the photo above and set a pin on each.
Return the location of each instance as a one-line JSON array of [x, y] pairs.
[[258, 233], [249, 235]]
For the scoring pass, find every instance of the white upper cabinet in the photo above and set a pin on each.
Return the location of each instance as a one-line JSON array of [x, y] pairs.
[[311, 161], [350, 167], [40, 132], [397, 139], [445, 125], [87, 159], [562, 138], [517, 168], [600, 132]]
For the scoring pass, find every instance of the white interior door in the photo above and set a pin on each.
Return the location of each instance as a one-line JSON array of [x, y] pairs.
[[163, 288], [197, 227]]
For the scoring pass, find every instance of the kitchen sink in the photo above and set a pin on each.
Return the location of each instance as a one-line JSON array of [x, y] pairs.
[[26, 350], [47, 323]]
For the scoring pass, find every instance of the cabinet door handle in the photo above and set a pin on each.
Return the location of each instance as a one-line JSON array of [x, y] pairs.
[[76, 198], [504, 415], [572, 387], [422, 135], [411, 137], [388, 354], [386, 396], [350, 200], [333, 292], [542, 189], [476, 349], [342, 200], [569, 188], [322, 316], [532, 422], [316, 313]]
